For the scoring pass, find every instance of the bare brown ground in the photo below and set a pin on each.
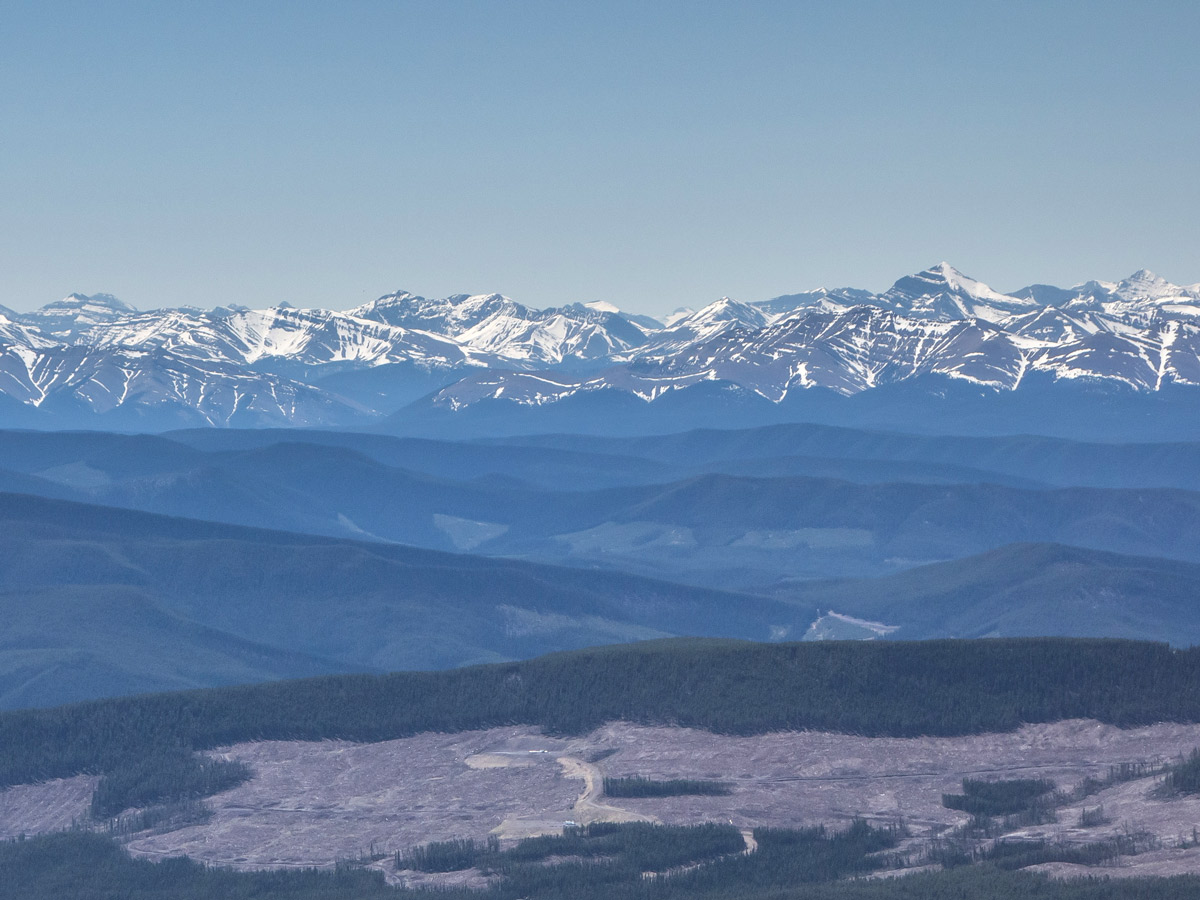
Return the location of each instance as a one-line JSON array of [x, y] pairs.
[[1166, 862], [1131, 807], [312, 803], [811, 778], [587, 807], [50, 806]]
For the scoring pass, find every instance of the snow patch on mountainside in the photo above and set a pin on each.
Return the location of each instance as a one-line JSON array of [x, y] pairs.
[[834, 626], [94, 355]]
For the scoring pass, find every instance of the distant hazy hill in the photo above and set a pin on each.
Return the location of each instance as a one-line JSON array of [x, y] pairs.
[[1025, 590], [100, 601], [97, 601], [606, 508], [769, 450], [69, 642]]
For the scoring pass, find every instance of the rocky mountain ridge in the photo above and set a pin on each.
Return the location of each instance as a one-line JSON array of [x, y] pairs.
[[85, 360]]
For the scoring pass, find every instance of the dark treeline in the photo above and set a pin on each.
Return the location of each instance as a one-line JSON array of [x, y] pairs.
[[447, 856], [627, 849], [603, 860], [870, 688], [997, 798], [85, 866], [784, 858], [181, 775], [636, 786], [1013, 855], [789, 865], [1182, 777]]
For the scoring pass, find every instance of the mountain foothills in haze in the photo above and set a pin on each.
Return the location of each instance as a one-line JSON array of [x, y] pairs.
[[215, 556], [937, 349], [739, 510], [99, 601]]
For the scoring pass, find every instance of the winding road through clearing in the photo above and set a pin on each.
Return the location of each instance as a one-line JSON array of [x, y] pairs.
[[586, 808]]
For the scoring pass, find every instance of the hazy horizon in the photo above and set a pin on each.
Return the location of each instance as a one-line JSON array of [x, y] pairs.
[[696, 305], [649, 157]]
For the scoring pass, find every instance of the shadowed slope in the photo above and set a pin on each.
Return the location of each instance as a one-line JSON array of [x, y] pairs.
[[170, 582]]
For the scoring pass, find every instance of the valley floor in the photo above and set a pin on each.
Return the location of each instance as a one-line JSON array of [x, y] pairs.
[[312, 803]]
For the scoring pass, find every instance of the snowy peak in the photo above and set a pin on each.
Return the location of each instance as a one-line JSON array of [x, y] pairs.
[[1145, 285], [474, 309], [943, 292], [1142, 295], [725, 312], [688, 330], [945, 279], [78, 312], [95, 308], [820, 299], [609, 312], [717, 318], [498, 326], [93, 302], [405, 310], [1144, 277], [1047, 295], [284, 365], [448, 316]]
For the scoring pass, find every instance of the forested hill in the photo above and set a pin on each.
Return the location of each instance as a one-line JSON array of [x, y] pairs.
[[903, 688], [98, 601]]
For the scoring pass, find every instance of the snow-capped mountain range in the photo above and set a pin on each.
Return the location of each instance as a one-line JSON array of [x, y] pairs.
[[93, 360]]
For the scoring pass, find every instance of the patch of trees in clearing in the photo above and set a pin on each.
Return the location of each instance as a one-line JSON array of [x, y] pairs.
[[998, 798], [178, 776], [1182, 777], [637, 786], [998, 808]]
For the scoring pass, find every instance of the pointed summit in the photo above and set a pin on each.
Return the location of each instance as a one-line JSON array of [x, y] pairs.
[[944, 277], [724, 315], [1144, 279], [727, 311], [1145, 285], [943, 292]]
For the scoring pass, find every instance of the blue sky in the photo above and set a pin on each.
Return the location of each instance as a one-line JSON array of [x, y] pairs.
[[650, 155]]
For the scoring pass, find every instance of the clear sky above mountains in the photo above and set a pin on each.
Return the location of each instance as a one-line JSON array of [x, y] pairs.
[[650, 155]]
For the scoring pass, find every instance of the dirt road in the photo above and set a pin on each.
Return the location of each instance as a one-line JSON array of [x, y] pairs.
[[587, 808]]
